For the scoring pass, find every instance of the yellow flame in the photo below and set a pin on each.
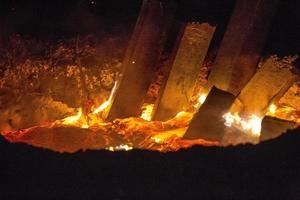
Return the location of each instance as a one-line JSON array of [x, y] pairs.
[[272, 109], [147, 112], [104, 105], [229, 119], [156, 139], [253, 124], [202, 98], [72, 119], [283, 112], [85, 126], [121, 147], [180, 114], [166, 135]]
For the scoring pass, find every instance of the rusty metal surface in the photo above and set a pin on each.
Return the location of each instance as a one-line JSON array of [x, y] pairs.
[[175, 94], [243, 41], [141, 57]]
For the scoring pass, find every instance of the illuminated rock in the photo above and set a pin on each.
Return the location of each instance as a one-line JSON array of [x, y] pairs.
[[240, 49], [142, 55], [269, 83], [176, 93]]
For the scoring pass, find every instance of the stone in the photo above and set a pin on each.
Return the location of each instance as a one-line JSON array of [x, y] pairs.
[[176, 92], [242, 44], [267, 86]]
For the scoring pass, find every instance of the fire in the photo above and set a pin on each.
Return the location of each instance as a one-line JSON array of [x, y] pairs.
[[165, 136], [201, 100], [272, 109], [104, 105], [83, 121], [121, 147], [180, 114], [85, 126], [252, 124], [147, 112], [284, 112], [72, 119]]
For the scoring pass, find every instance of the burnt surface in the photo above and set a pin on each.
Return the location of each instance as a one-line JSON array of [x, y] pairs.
[[266, 171]]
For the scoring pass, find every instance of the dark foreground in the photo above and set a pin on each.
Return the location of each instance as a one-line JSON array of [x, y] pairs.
[[270, 170]]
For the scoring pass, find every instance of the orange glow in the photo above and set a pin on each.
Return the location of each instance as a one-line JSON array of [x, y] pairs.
[[72, 119], [251, 125], [147, 112], [85, 121], [284, 112], [102, 107], [105, 105], [121, 147], [272, 109], [201, 100]]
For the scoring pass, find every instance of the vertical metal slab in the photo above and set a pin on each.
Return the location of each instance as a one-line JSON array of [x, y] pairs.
[[243, 41], [208, 122], [142, 55], [176, 93]]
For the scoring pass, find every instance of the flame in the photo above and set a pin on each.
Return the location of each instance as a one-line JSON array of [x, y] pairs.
[[84, 123], [72, 119], [104, 105], [284, 112], [255, 125], [252, 125], [147, 112], [85, 126], [166, 135], [180, 114], [121, 147], [201, 100], [272, 109]]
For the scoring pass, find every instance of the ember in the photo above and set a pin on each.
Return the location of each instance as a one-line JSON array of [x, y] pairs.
[[155, 98]]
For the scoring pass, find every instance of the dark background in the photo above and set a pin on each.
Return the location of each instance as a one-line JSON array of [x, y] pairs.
[[59, 19], [270, 170]]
